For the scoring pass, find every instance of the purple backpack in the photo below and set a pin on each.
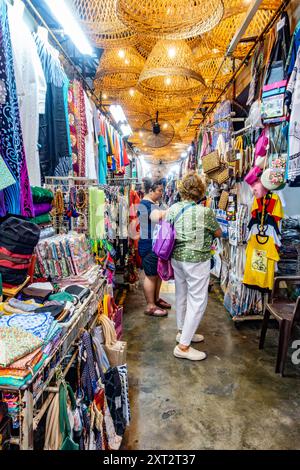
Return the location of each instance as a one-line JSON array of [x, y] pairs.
[[165, 236]]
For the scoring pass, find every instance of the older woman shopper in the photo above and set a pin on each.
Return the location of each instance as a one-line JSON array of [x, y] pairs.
[[149, 213], [195, 231]]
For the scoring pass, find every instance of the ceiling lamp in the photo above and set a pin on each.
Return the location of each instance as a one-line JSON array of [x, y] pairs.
[[170, 70], [222, 35], [210, 67], [145, 44], [118, 69], [165, 104], [132, 100], [171, 19], [101, 23], [234, 7]]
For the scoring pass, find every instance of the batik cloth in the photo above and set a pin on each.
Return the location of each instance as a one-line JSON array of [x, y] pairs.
[[37, 324], [18, 199], [15, 343]]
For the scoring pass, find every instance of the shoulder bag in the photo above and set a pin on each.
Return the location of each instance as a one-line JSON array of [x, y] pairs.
[[115, 350], [164, 241]]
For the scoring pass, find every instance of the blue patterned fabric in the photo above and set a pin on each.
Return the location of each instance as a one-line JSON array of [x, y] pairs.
[[89, 377], [38, 324], [18, 198]]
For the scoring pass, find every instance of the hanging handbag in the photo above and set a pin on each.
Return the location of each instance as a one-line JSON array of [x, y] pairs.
[[273, 106], [64, 423], [211, 162], [223, 200], [221, 175], [115, 350]]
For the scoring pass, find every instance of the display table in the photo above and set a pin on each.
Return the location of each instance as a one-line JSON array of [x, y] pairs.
[[36, 396]]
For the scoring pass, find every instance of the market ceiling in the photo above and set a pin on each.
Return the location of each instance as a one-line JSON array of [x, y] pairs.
[[161, 58]]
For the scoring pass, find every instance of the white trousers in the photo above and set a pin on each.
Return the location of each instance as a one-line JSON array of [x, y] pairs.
[[191, 284]]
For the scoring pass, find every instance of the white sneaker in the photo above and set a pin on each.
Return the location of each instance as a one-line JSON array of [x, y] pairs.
[[195, 339], [191, 354]]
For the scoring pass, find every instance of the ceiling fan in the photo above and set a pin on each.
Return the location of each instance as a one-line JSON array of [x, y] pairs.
[[156, 133]]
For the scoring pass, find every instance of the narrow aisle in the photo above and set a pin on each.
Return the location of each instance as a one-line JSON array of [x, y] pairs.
[[232, 400]]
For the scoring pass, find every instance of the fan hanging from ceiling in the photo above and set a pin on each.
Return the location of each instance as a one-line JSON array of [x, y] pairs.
[[157, 133]]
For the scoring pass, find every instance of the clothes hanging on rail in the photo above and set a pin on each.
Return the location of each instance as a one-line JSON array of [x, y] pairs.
[[17, 197], [90, 158], [55, 158], [31, 89]]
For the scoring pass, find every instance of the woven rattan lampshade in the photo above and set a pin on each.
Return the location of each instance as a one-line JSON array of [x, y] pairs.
[[119, 69], [234, 7], [145, 44], [170, 70], [221, 36], [176, 19], [214, 70], [101, 23]]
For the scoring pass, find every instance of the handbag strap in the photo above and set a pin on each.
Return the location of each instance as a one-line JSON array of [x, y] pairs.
[[108, 330], [280, 49], [182, 211]]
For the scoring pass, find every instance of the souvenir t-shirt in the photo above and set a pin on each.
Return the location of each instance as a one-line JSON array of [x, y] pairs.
[[273, 206], [260, 262], [194, 232]]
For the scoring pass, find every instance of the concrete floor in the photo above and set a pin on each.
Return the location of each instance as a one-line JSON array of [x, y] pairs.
[[232, 400]]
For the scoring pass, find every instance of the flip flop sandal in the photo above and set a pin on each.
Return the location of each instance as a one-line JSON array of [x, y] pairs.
[[163, 304], [156, 312]]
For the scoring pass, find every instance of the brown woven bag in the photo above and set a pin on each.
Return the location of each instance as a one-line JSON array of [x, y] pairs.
[[211, 162], [221, 175], [223, 200]]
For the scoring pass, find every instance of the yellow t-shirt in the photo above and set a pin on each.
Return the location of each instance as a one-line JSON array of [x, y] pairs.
[[260, 263], [277, 210]]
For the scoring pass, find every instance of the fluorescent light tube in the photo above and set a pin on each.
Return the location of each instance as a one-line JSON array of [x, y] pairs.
[[126, 130], [117, 113], [70, 25]]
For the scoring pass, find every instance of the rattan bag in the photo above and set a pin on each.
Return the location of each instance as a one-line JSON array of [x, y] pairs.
[[211, 162]]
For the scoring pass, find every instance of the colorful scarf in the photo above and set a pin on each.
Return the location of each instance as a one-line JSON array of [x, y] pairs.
[[18, 199]]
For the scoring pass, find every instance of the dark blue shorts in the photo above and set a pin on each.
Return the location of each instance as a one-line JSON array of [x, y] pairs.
[[149, 264]]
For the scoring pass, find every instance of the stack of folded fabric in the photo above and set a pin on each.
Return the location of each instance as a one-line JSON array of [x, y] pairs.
[[42, 206], [290, 247], [18, 239], [27, 339]]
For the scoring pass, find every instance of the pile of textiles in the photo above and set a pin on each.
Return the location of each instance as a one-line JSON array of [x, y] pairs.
[[42, 206], [63, 256], [26, 341], [290, 247], [18, 238]]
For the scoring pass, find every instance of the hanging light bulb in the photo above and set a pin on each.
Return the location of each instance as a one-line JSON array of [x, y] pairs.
[[131, 92], [121, 53], [104, 96], [168, 81], [172, 52], [165, 125]]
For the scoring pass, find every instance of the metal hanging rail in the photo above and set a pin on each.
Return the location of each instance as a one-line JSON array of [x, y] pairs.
[[271, 23]]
